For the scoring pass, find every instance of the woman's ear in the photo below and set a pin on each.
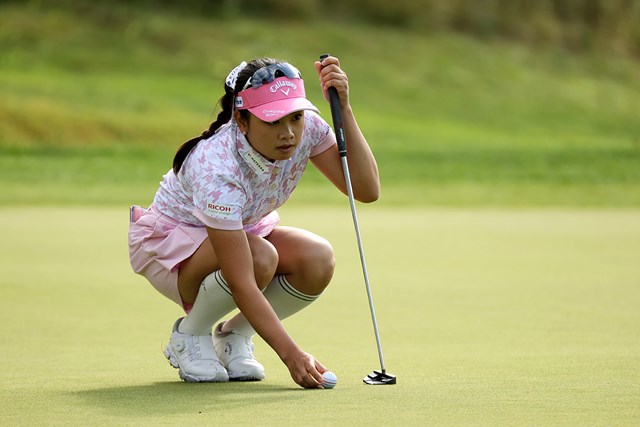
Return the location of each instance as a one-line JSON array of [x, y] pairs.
[[243, 124]]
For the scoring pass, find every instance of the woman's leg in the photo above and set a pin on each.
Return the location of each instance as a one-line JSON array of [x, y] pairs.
[[204, 262], [305, 259], [200, 282], [305, 268]]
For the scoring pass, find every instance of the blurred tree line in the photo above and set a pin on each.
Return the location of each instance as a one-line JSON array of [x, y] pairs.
[[576, 24]]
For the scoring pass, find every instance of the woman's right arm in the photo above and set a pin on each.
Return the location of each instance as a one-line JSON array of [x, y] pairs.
[[234, 255]]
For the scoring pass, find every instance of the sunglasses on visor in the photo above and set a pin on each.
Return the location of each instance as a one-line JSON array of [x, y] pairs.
[[267, 74]]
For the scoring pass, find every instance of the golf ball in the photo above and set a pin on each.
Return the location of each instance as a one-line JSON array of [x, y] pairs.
[[329, 379]]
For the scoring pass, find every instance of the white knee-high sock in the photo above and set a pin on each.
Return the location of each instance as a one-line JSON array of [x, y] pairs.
[[212, 302], [285, 300]]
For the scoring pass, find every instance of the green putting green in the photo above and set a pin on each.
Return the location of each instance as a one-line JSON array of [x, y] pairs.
[[511, 317]]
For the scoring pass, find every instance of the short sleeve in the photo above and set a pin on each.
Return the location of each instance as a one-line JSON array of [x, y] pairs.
[[218, 202], [320, 132]]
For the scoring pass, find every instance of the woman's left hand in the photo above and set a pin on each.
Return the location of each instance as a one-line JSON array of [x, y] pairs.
[[331, 75]]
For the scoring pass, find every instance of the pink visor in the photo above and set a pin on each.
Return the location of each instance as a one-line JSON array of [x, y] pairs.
[[272, 101]]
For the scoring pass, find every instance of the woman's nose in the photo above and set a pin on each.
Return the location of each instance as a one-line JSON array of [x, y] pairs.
[[287, 132]]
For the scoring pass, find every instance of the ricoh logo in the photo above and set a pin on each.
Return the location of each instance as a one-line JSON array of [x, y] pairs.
[[282, 84], [219, 208]]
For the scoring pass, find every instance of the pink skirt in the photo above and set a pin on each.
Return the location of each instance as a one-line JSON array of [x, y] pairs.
[[158, 245]]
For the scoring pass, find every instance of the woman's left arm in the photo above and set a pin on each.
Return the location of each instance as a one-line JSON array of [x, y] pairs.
[[363, 169]]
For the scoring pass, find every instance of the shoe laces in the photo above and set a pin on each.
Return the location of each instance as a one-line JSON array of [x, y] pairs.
[[195, 350]]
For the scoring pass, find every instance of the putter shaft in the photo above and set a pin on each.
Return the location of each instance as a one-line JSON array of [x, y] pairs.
[[347, 178]]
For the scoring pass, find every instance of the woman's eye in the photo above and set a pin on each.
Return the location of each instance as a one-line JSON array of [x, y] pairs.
[[298, 117]]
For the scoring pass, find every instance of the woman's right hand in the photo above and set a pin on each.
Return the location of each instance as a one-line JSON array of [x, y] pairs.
[[305, 370]]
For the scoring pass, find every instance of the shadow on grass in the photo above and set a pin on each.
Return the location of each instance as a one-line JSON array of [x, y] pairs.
[[172, 398]]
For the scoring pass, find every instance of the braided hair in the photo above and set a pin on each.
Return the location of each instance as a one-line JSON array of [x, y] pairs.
[[226, 113]]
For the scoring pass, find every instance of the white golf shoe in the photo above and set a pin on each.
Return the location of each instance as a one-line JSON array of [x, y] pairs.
[[236, 354], [195, 357]]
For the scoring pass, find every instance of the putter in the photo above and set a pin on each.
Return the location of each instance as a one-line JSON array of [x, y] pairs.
[[377, 377]]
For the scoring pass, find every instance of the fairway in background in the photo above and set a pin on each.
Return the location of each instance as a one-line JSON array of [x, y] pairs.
[[486, 317], [94, 104]]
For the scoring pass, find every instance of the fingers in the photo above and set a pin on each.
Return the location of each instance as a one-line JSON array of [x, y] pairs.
[[321, 368], [331, 75], [306, 371], [330, 60], [315, 373], [335, 79], [307, 380]]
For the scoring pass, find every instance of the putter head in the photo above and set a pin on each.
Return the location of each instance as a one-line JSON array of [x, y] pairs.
[[379, 378]]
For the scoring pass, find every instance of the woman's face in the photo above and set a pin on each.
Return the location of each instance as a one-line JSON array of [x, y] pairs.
[[274, 140]]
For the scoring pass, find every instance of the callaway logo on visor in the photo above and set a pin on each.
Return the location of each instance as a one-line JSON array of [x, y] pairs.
[[285, 87]]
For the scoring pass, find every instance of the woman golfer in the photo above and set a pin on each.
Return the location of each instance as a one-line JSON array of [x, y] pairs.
[[211, 240]]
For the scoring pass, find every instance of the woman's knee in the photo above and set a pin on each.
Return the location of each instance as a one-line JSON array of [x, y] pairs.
[[317, 264], [265, 261]]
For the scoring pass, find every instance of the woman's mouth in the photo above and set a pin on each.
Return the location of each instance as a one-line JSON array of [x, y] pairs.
[[286, 148]]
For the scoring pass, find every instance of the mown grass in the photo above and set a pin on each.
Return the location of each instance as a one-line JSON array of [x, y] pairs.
[[487, 317], [95, 100]]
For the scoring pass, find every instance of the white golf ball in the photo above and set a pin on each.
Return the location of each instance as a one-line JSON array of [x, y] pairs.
[[329, 380]]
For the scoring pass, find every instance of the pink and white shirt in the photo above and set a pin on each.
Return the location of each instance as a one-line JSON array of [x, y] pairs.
[[226, 184]]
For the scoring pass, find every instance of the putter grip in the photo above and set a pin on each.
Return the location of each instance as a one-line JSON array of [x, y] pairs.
[[336, 114]]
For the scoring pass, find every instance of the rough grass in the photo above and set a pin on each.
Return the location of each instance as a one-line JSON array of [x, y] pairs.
[[100, 98]]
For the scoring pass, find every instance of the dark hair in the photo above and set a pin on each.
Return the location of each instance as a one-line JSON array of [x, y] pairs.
[[226, 103]]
